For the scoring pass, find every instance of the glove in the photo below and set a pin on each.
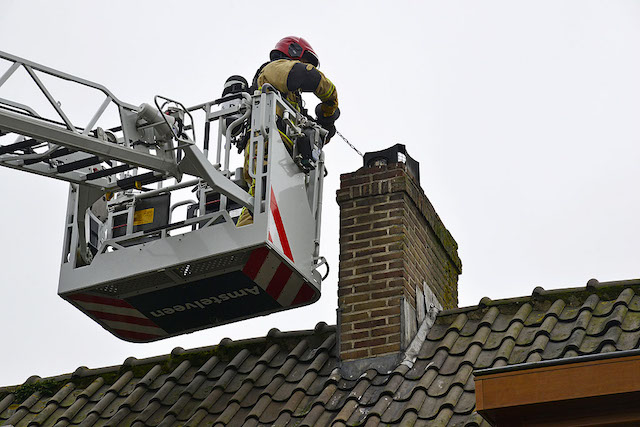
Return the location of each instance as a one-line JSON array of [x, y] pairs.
[[328, 121], [331, 129]]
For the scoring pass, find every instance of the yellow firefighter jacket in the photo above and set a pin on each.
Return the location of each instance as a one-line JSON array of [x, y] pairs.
[[290, 78], [293, 77]]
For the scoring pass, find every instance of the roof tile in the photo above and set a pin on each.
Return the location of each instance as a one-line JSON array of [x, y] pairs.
[[527, 335], [628, 340], [472, 355], [394, 412], [283, 419], [360, 388], [575, 340], [311, 419], [417, 370], [337, 400], [248, 364], [221, 403], [441, 385], [506, 349], [325, 418], [590, 345], [260, 406], [431, 407], [81, 399], [554, 350], [266, 377], [426, 381], [466, 404], [358, 416], [304, 406], [569, 313], [469, 327], [292, 378], [52, 405], [461, 345], [518, 355], [494, 340], [460, 420], [443, 418], [631, 322], [417, 400], [599, 325], [318, 385], [612, 335], [404, 392], [562, 331], [195, 419], [381, 405], [523, 312], [439, 330], [372, 421], [202, 390], [485, 359], [625, 296], [239, 359], [284, 391], [458, 322], [604, 308], [438, 359], [634, 304], [452, 398], [347, 409], [452, 364], [502, 322], [591, 302], [251, 398], [514, 330], [470, 385], [230, 411]]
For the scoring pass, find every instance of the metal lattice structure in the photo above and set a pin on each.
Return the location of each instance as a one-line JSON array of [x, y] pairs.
[[129, 262]]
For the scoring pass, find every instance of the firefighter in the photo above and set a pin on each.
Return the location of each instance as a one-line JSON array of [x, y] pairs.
[[293, 69]]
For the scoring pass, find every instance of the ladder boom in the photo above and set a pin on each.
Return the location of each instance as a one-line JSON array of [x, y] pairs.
[[23, 125]]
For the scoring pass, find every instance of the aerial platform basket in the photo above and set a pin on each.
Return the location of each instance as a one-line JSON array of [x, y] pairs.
[[128, 262]]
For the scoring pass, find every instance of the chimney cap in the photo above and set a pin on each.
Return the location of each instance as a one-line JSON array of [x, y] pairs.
[[395, 154]]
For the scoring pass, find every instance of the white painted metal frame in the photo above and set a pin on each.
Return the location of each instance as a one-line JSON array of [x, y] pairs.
[[133, 258], [298, 197]]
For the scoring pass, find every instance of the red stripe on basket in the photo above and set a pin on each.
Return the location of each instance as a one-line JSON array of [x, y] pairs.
[[256, 259], [280, 278], [305, 293], [122, 318], [280, 226]]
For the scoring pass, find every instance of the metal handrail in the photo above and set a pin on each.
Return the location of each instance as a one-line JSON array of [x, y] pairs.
[[16, 59], [176, 136], [31, 67]]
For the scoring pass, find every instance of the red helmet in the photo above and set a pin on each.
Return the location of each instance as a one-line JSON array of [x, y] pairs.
[[295, 48]]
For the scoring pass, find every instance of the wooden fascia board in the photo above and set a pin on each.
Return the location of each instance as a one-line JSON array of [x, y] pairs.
[[556, 383]]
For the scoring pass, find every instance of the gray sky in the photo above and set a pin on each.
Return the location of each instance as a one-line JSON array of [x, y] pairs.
[[522, 114]]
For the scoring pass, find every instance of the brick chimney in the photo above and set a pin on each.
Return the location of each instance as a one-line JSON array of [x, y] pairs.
[[395, 256]]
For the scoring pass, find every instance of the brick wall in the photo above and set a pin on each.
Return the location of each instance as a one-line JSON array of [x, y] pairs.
[[391, 243]]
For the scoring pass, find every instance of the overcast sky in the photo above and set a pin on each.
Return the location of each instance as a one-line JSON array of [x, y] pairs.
[[522, 114]]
